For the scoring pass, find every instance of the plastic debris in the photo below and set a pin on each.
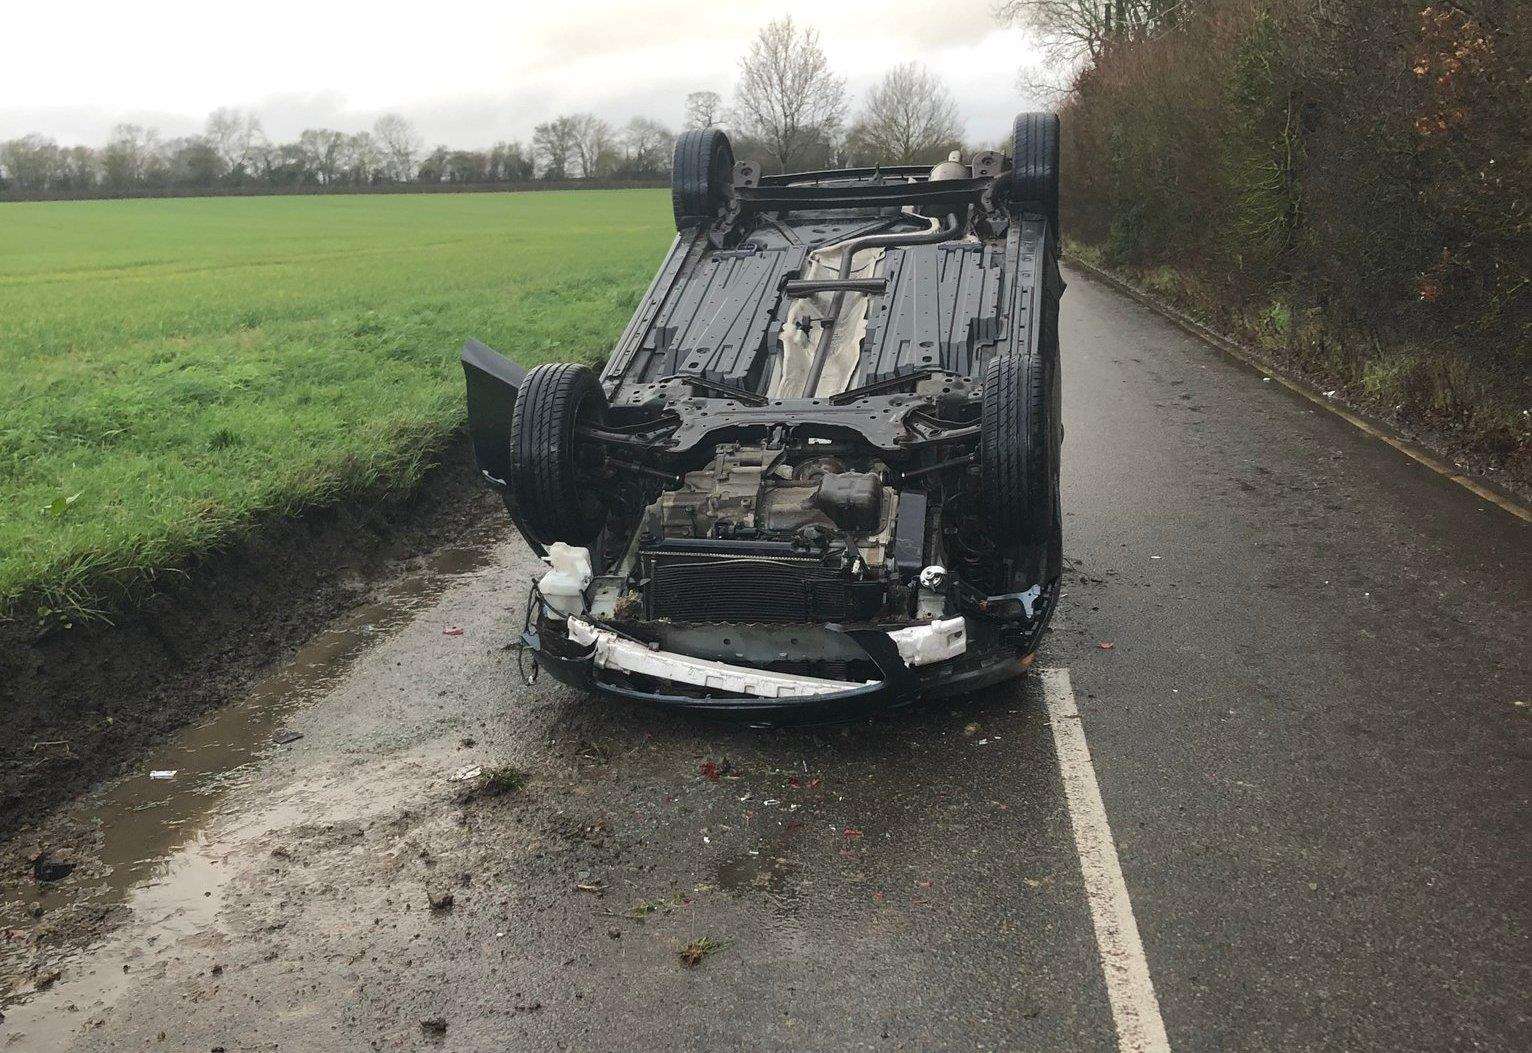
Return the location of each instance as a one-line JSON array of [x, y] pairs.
[[463, 774], [453, 630], [286, 735], [163, 773]]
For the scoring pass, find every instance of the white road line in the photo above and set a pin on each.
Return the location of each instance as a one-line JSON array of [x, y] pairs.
[[1135, 1009]]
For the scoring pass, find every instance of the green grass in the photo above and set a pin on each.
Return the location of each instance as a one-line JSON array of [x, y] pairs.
[[176, 370]]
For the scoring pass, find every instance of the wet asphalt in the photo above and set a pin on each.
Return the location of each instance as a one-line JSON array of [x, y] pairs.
[[1310, 732]]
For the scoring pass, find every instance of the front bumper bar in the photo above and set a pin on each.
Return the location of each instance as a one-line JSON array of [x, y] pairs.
[[574, 663]]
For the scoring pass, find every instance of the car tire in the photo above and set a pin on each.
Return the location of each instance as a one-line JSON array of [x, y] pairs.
[[551, 498], [701, 173], [1034, 180], [1015, 494]]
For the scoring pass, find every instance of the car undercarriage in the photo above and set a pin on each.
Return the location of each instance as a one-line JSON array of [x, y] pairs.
[[818, 473]]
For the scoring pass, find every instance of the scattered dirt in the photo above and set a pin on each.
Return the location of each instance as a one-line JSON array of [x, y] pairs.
[[80, 702]]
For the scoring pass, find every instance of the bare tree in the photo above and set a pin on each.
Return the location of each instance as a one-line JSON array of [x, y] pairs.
[[362, 159], [593, 144], [125, 160], [553, 144], [909, 116], [234, 134], [787, 97], [400, 144], [1076, 30], [703, 109], [646, 146], [325, 151]]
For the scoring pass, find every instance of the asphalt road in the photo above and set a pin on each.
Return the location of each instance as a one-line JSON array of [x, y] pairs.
[[1309, 733]]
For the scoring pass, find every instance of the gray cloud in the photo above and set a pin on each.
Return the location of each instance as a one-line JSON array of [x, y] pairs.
[[484, 73]]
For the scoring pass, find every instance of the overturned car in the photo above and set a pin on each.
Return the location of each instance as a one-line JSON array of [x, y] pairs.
[[819, 471]]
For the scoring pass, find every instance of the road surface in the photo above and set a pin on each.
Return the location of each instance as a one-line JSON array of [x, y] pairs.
[[1291, 812]]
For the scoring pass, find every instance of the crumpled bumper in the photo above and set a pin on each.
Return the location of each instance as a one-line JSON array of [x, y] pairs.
[[572, 657]]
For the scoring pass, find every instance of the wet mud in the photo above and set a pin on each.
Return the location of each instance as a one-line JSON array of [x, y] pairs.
[[81, 702]]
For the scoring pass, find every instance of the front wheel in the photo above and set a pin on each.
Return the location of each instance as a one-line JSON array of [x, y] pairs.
[[549, 484], [1014, 463]]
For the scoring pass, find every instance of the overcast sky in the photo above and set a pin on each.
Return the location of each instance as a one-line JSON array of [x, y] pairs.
[[467, 74]]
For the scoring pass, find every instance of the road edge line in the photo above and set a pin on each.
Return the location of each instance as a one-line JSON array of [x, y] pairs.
[[1129, 988], [1247, 357]]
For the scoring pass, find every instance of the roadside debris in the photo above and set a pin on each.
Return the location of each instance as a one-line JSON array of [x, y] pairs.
[[453, 630], [286, 735], [463, 774], [693, 953], [638, 912], [1107, 646], [49, 865], [163, 773], [502, 780]]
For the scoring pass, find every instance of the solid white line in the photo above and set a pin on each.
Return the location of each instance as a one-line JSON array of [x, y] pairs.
[[1135, 1009]]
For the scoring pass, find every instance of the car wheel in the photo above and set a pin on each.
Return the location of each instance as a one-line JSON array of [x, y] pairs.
[[1015, 496], [1035, 165], [700, 175], [548, 486]]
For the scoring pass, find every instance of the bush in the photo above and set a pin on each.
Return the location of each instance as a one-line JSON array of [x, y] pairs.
[[1363, 164]]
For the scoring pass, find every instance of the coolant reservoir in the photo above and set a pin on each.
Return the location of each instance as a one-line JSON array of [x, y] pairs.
[[563, 587]]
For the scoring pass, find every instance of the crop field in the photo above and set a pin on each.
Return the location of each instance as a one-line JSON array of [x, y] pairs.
[[176, 369]]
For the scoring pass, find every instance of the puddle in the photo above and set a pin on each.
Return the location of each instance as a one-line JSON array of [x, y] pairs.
[[151, 829], [770, 870]]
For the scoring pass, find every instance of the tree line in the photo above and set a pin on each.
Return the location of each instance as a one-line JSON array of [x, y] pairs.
[[1349, 179], [790, 110]]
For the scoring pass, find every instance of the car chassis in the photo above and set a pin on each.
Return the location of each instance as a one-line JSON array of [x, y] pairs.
[[818, 474]]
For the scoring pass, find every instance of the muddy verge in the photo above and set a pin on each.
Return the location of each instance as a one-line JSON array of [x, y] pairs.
[[82, 702]]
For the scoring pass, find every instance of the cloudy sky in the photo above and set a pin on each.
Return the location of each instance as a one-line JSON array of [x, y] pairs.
[[467, 74]]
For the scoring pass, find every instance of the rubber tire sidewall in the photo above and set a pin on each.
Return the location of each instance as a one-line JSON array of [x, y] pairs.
[[702, 171], [1014, 442], [549, 501], [1035, 164]]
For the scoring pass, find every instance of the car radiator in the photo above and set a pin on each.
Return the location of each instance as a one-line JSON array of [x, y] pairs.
[[719, 581]]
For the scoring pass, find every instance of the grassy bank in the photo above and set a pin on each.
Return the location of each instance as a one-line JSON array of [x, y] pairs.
[[177, 369], [1425, 388]]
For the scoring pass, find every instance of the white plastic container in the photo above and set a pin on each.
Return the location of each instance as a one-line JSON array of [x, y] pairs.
[[563, 587]]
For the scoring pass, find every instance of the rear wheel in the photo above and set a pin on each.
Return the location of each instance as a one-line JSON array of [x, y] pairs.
[[1035, 165], [549, 486], [700, 175]]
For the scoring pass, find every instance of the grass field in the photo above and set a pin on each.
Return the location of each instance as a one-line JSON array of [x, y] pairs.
[[177, 369]]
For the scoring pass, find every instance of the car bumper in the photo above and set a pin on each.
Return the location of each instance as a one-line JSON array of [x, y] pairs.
[[588, 659]]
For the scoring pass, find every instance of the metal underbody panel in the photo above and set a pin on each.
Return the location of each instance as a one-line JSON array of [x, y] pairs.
[[719, 313]]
